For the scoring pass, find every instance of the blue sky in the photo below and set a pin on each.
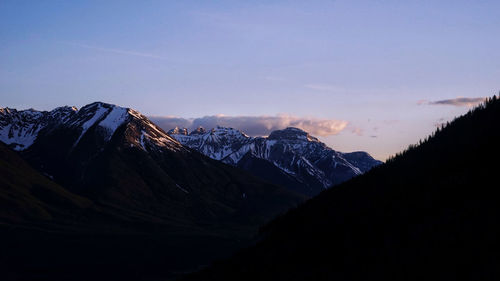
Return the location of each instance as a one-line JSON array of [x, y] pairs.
[[376, 65]]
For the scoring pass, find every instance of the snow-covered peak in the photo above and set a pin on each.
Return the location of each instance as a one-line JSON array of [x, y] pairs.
[[26, 113], [227, 131], [99, 104], [292, 150], [217, 143], [178, 131], [107, 116], [20, 129], [139, 131], [65, 109], [62, 114], [291, 133], [87, 117], [114, 119], [199, 131], [148, 135]]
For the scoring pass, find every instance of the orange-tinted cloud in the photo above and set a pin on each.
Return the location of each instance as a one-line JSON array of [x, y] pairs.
[[255, 125]]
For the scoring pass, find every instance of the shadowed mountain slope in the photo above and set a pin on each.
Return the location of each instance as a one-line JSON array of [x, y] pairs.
[[27, 196], [430, 213]]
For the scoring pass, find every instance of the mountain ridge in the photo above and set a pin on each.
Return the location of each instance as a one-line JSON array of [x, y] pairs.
[[321, 168], [93, 151], [293, 151], [19, 129]]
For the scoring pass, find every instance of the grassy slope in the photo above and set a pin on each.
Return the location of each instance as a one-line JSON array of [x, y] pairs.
[[26, 195]]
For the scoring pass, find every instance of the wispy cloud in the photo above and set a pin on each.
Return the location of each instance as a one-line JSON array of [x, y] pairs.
[[255, 125], [468, 102], [116, 51]]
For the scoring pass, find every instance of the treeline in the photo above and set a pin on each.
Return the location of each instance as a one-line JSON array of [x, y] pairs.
[[456, 124]]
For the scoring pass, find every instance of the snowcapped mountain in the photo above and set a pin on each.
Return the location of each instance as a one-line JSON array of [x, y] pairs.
[[219, 143], [117, 157], [291, 157], [299, 156], [20, 129]]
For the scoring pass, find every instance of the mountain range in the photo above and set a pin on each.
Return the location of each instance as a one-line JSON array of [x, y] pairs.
[[108, 170], [117, 157], [289, 157], [102, 193]]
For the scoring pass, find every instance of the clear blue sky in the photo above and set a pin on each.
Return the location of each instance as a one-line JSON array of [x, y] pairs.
[[375, 64]]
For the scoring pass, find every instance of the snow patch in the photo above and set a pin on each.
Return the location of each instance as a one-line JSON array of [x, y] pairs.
[[22, 138], [142, 140], [89, 123], [113, 120]]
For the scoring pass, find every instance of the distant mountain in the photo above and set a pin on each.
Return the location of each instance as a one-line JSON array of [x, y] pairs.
[[107, 169], [291, 157], [430, 213], [19, 129]]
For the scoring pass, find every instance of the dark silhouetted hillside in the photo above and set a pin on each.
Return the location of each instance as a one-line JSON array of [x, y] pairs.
[[430, 213]]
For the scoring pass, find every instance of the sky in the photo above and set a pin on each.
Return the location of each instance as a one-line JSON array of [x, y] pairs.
[[362, 75]]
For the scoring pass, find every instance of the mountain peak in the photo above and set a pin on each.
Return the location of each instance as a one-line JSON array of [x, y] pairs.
[[100, 103], [66, 108], [200, 130], [291, 133], [178, 131], [19, 129], [99, 106], [220, 130]]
